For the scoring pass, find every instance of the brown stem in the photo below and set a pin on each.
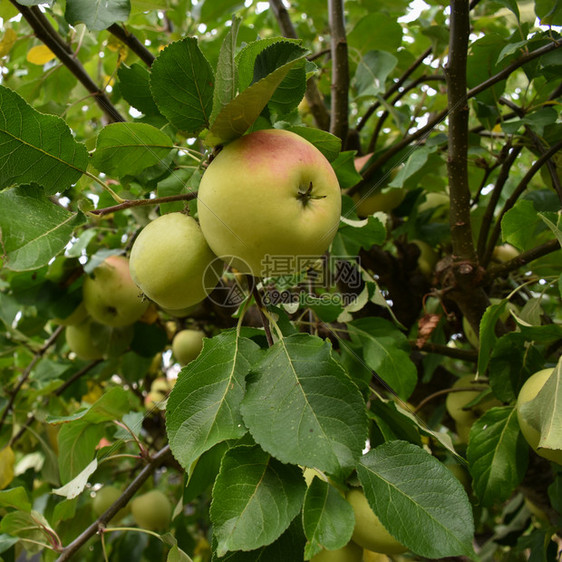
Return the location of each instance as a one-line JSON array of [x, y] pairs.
[[144, 202], [516, 194], [312, 95], [522, 259], [447, 391], [132, 42], [45, 32], [31, 418], [38, 355], [260, 305], [339, 122], [158, 459], [439, 349]]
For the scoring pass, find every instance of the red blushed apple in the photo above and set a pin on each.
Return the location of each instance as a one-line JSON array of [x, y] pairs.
[[267, 196]]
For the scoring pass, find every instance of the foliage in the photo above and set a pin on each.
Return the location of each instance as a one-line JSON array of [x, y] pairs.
[[110, 113]]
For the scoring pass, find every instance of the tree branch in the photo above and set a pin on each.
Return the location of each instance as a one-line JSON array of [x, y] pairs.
[[105, 517], [38, 355], [455, 353], [516, 194], [522, 259], [339, 122], [144, 202], [45, 32], [132, 42], [312, 95]]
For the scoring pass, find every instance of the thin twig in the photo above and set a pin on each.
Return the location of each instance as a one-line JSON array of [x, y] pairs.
[[38, 355], [144, 202], [158, 459], [45, 32], [259, 302], [439, 349], [132, 42]]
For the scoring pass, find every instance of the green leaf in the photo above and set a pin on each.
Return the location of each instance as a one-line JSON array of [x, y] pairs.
[[37, 148], [488, 336], [226, 84], [203, 407], [344, 166], [372, 72], [419, 502], [29, 526], [549, 11], [235, 118], [134, 83], [497, 454], [327, 518], [128, 148], [255, 498], [217, 10], [356, 234], [176, 554], [302, 407], [182, 84], [554, 227], [387, 352], [416, 161], [329, 145], [16, 498], [376, 32], [97, 14], [76, 486], [32, 228]]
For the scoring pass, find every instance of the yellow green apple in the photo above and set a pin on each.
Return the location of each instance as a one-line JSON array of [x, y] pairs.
[[504, 253], [268, 201], [427, 258], [172, 263], [529, 391], [351, 552], [369, 532], [438, 201], [186, 345], [370, 556], [152, 511], [105, 497], [111, 296], [80, 340]]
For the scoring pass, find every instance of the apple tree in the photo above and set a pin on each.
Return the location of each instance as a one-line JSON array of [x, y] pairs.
[[320, 355]]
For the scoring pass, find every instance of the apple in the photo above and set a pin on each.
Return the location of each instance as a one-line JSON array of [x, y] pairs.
[[77, 316], [370, 556], [152, 511], [80, 341], [504, 253], [369, 532], [172, 263], [105, 497], [268, 202], [439, 202], [186, 345], [456, 405], [528, 391], [351, 552], [111, 296], [427, 258]]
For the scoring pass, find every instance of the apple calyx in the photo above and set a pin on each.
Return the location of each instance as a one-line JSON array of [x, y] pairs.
[[305, 196]]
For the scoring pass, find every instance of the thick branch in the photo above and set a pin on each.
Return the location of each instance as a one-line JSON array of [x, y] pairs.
[[455, 73], [312, 94], [133, 43], [45, 32], [339, 123], [103, 519]]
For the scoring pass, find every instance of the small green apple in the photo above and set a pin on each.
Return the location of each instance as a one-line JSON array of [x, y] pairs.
[[437, 201], [111, 296], [269, 196], [80, 341], [427, 258], [152, 511], [105, 498], [528, 391], [77, 316], [351, 552], [456, 404], [172, 263], [504, 253], [370, 556], [369, 532], [186, 345]]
